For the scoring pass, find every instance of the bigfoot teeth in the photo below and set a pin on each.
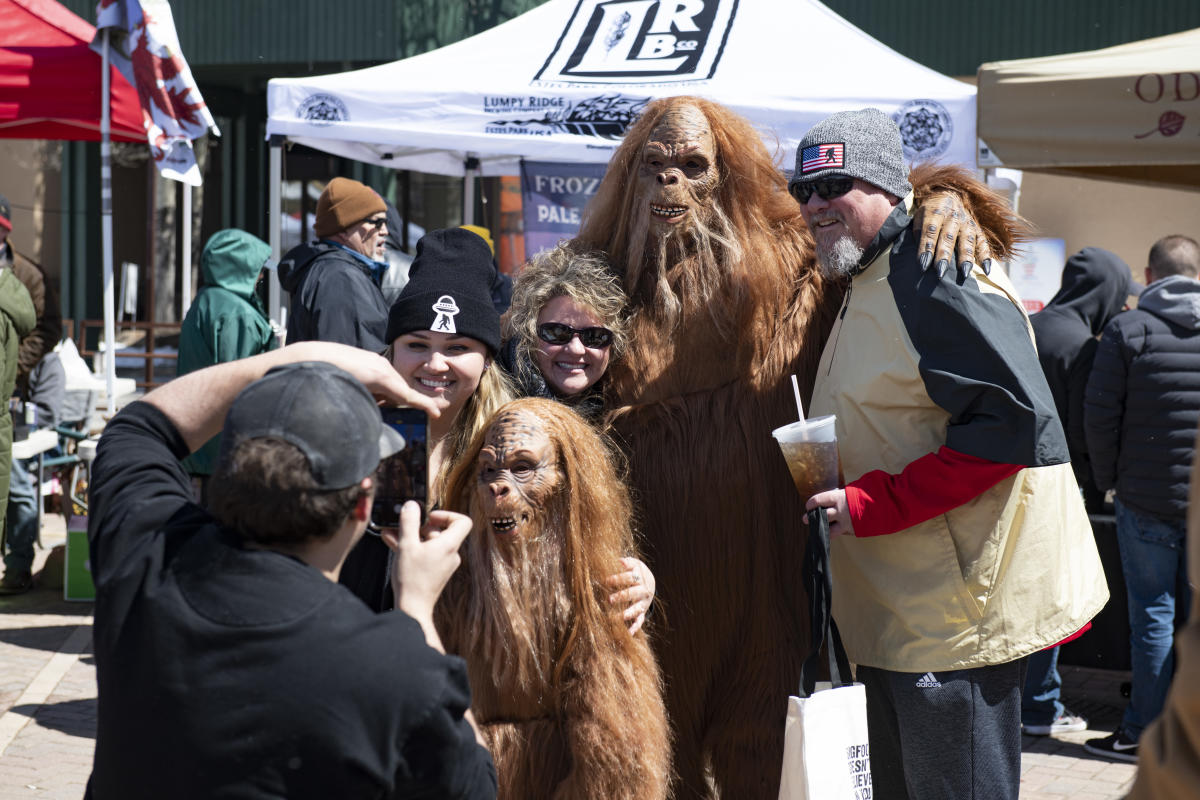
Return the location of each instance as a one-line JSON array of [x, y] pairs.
[[504, 524], [667, 211]]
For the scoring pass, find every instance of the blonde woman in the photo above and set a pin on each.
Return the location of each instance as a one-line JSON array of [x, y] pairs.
[[565, 326]]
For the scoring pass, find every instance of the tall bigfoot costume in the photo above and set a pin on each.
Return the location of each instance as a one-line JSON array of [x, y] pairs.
[[727, 303], [568, 701]]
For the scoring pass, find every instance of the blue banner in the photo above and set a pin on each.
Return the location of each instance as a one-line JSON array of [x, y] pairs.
[[553, 195]]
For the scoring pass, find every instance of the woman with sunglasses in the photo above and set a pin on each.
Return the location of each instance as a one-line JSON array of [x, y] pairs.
[[566, 324]]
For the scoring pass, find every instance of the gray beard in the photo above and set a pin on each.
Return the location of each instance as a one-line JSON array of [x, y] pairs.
[[841, 260]]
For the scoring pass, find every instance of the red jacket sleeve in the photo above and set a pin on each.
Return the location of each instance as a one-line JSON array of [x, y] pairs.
[[880, 503]]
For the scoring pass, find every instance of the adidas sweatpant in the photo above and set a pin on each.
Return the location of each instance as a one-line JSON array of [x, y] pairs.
[[954, 735]]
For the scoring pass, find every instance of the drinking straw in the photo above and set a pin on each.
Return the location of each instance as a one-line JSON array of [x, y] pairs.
[[796, 391]]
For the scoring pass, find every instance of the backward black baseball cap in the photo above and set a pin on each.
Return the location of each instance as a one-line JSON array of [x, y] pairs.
[[321, 409]]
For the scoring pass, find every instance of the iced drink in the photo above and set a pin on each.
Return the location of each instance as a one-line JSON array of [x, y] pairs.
[[810, 449]]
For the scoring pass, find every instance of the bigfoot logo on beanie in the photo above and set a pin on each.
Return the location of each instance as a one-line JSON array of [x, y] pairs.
[[449, 290]]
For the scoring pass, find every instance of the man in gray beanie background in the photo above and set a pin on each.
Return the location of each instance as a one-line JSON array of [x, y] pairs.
[[964, 542]]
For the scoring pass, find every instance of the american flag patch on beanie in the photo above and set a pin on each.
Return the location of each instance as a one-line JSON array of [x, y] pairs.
[[822, 156]]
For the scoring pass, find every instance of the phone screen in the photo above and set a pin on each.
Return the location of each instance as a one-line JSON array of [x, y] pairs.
[[404, 475]]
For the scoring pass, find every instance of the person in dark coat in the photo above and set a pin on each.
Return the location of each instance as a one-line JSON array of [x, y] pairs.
[[229, 662], [335, 281], [1095, 286], [1140, 414], [48, 330]]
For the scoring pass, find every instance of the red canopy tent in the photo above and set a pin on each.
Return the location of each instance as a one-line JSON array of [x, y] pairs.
[[50, 78]]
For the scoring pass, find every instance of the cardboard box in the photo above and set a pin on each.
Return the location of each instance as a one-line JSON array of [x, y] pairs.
[[77, 580]]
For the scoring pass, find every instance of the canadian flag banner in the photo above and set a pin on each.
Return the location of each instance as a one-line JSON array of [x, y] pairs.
[[144, 46]]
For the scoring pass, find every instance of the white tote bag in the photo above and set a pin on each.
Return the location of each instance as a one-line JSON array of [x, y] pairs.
[[826, 755]]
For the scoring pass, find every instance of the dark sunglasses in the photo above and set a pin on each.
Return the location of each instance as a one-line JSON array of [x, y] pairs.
[[376, 223], [557, 333], [827, 188]]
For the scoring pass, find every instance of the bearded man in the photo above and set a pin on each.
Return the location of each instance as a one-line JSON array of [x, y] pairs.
[[568, 701], [727, 303]]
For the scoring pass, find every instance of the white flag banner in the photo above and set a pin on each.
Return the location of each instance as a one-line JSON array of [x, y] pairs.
[[143, 45]]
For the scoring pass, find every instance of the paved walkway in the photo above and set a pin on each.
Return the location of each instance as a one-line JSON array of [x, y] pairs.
[[48, 708]]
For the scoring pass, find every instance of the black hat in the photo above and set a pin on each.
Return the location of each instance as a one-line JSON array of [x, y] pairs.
[[448, 290], [321, 409]]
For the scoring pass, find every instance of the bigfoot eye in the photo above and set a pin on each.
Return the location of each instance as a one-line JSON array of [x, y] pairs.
[[523, 468]]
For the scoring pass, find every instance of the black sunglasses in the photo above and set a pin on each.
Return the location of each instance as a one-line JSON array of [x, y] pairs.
[[557, 333], [376, 223], [827, 188]]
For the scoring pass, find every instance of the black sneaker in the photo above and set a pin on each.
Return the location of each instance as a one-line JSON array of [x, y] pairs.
[[17, 582], [1117, 745]]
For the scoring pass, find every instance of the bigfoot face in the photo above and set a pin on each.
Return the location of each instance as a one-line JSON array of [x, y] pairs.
[[678, 171], [518, 475]]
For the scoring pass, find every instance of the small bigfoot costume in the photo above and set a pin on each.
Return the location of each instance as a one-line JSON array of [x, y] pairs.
[[727, 304], [567, 700]]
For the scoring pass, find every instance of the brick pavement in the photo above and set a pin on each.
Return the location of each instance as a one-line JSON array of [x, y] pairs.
[[48, 708]]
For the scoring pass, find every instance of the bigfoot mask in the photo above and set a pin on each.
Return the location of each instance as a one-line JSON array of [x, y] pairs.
[[678, 171], [518, 474]]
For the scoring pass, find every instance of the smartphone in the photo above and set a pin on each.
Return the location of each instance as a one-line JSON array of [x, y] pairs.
[[402, 476]]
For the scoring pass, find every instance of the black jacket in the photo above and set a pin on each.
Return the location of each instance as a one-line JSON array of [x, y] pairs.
[[1095, 286], [225, 671], [334, 298], [1143, 400]]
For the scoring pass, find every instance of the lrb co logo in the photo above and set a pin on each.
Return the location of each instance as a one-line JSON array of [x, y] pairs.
[[641, 41]]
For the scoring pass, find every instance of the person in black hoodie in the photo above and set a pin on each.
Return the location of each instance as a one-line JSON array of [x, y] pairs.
[[1095, 286], [1140, 414], [335, 281]]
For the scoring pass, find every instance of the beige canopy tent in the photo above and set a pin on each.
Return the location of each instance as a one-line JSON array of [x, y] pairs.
[[1130, 112]]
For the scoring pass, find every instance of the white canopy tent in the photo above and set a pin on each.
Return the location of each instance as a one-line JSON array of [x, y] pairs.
[[562, 82]]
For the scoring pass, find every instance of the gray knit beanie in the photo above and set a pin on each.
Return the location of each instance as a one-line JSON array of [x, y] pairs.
[[861, 144]]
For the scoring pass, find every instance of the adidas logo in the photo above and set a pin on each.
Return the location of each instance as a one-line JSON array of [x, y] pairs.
[[927, 681]]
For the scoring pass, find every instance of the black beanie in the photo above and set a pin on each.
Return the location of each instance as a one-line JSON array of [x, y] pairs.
[[448, 290]]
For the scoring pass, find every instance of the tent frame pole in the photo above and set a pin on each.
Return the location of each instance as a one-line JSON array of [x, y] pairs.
[[471, 168], [106, 228], [275, 228]]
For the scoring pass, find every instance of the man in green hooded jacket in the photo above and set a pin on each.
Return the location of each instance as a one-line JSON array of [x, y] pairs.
[[17, 318], [227, 320]]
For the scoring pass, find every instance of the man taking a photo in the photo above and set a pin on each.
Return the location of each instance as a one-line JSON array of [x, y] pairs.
[[229, 660]]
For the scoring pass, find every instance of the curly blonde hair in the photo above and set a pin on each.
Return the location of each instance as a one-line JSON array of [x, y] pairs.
[[585, 277]]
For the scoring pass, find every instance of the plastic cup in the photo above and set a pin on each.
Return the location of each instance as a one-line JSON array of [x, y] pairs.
[[810, 450]]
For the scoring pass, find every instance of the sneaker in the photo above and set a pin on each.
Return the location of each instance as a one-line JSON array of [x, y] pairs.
[[1116, 745], [16, 582], [1065, 723]]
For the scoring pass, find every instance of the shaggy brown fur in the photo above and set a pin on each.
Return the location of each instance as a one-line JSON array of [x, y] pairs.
[[704, 382], [569, 702]]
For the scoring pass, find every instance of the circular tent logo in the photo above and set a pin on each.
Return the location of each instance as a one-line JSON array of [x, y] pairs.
[[322, 109], [925, 127]]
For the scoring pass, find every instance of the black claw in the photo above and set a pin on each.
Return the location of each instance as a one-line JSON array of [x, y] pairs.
[[926, 257], [941, 267], [987, 266], [964, 269]]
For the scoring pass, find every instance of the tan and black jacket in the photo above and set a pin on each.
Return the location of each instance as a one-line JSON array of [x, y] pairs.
[[916, 363]]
